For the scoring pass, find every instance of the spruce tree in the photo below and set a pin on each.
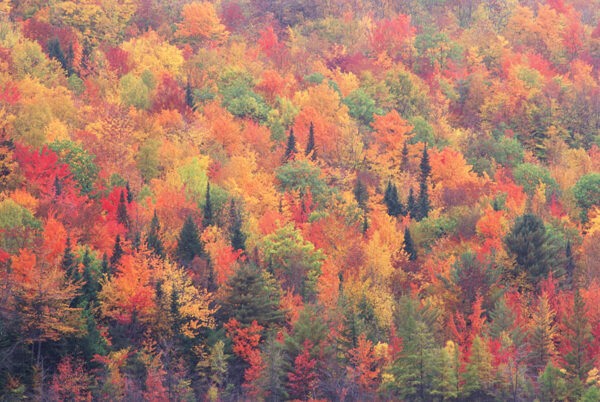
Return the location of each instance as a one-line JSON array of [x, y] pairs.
[[188, 244], [129, 193], [90, 285], [365, 224], [360, 194], [189, 95], [57, 187], [410, 204], [238, 238], [208, 210], [570, 264], [409, 246], [105, 267], [290, 148], [122, 216], [55, 51], [153, 237], [68, 260], [117, 253], [310, 145], [404, 160], [578, 360], [393, 204], [542, 335], [423, 204]]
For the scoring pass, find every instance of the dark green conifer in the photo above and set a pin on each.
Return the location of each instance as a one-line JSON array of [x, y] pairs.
[[117, 253], [153, 237], [122, 216], [310, 145], [208, 209], [290, 149], [238, 238], [409, 246], [188, 244]]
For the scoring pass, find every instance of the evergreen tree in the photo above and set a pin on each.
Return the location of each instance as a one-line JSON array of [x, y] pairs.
[[137, 240], [129, 193], [105, 267], [55, 51], [423, 204], [290, 149], [117, 253], [393, 204], [188, 244], [90, 285], [238, 238], [208, 209], [310, 145], [409, 246], [122, 216], [189, 95], [534, 250], [252, 294], [404, 160], [57, 187], [365, 223], [579, 359], [153, 237], [410, 204], [274, 377], [553, 386], [478, 377], [541, 336], [68, 260], [360, 194], [570, 264]]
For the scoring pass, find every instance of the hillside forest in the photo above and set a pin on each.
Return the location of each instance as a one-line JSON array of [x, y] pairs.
[[326, 200]]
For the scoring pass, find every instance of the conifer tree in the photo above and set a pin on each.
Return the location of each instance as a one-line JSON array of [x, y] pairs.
[[153, 237], [129, 193], [90, 285], [188, 244], [57, 187], [68, 260], [365, 224], [290, 149], [570, 264], [189, 96], [409, 246], [393, 204], [55, 51], [117, 253], [208, 210], [238, 238], [542, 335], [104, 266], [423, 204], [404, 160], [360, 194], [122, 216], [410, 204], [579, 359], [310, 145]]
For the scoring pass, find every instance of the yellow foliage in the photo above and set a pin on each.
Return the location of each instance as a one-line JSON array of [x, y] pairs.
[[150, 52], [200, 21]]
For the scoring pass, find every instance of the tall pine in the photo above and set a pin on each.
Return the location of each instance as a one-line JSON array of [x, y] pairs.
[[153, 237], [393, 204], [117, 253], [423, 204], [122, 216], [579, 358], [290, 149], [208, 209], [188, 243], [238, 238], [310, 145], [409, 246]]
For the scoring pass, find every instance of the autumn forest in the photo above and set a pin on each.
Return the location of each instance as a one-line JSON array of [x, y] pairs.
[[326, 200]]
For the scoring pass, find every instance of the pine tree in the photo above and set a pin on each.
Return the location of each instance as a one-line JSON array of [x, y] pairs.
[[238, 238], [90, 285], [404, 160], [68, 260], [570, 264], [534, 250], [310, 145], [290, 149], [360, 194], [410, 204], [423, 204], [153, 237], [129, 193], [208, 210], [479, 375], [117, 253], [542, 335], [122, 216], [188, 244], [578, 360], [365, 224], [409, 246], [252, 294], [57, 187], [393, 204], [105, 267], [55, 51], [189, 96]]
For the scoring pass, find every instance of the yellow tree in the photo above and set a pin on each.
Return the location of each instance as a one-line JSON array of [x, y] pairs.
[[201, 23]]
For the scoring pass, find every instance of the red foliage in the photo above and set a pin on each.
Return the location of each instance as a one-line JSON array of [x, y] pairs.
[[303, 378], [392, 35], [363, 369], [70, 382], [10, 93], [169, 96], [269, 42], [118, 59], [232, 16]]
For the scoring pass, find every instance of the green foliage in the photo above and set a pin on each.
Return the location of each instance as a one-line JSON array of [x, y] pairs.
[[133, 91], [302, 176], [81, 163], [241, 101], [147, 159], [31, 123], [15, 222], [293, 259], [188, 242], [154, 238], [531, 176], [587, 193], [361, 106]]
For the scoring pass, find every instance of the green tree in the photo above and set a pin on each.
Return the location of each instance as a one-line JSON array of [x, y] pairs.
[[80, 162], [361, 194], [188, 243], [252, 294], [393, 204], [542, 335], [409, 246], [122, 215], [290, 148], [535, 251], [423, 205], [154, 237], [553, 386], [310, 145], [238, 237], [578, 361], [68, 260], [208, 209], [117, 253], [478, 376], [587, 193]]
